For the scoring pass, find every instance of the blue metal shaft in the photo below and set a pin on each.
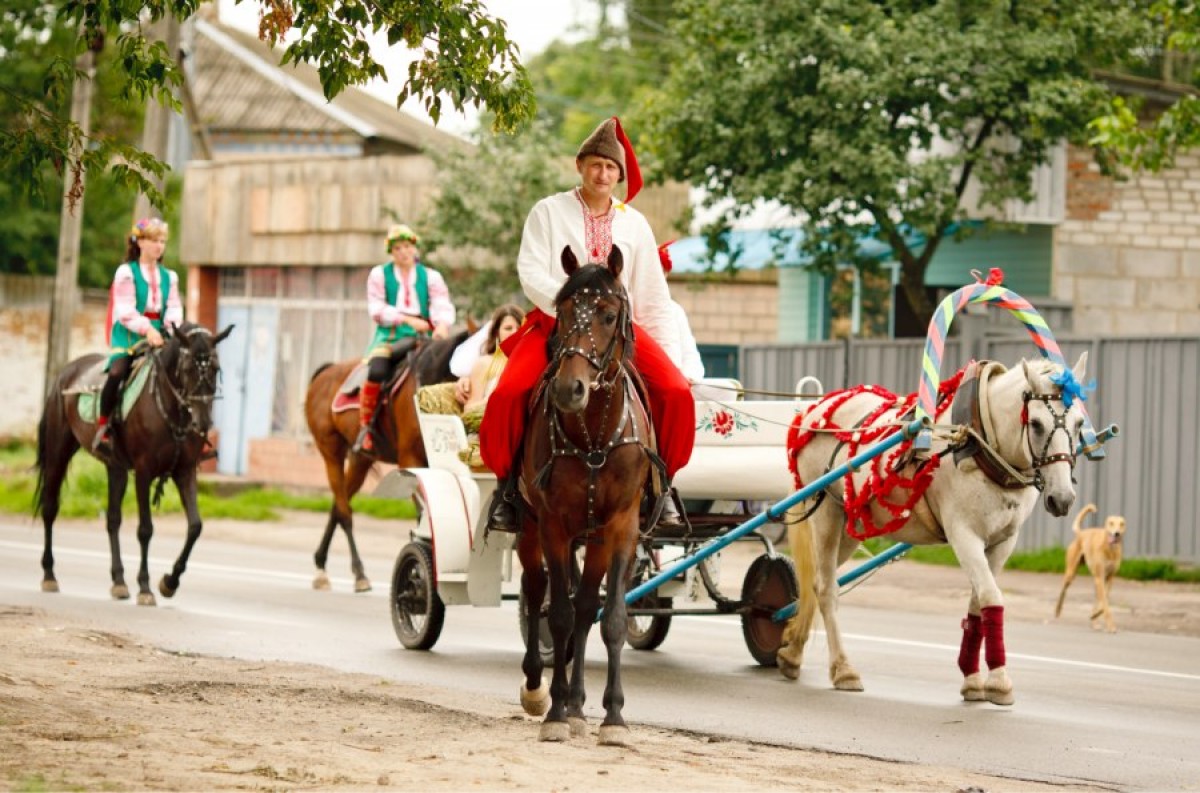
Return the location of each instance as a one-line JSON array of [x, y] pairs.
[[774, 512]]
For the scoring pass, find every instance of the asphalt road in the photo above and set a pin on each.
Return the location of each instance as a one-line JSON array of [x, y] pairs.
[[1121, 713]]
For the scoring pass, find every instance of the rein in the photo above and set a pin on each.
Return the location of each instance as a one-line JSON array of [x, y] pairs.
[[594, 452]]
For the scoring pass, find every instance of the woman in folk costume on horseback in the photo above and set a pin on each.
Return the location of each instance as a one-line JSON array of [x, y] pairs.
[[405, 299], [591, 221], [143, 301]]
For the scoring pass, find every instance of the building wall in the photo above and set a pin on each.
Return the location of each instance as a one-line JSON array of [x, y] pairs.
[[726, 312], [1128, 254]]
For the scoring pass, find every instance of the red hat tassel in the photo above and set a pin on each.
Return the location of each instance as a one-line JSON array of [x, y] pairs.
[[633, 175]]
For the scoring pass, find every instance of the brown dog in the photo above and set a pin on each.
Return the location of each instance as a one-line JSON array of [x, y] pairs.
[[1101, 549]]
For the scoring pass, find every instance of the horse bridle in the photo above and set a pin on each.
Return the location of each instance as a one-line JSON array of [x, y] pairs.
[[596, 454], [585, 312], [201, 393], [1040, 461]]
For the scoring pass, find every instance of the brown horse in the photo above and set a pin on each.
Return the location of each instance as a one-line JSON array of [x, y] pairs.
[[164, 434], [584, 470], [335, 433]]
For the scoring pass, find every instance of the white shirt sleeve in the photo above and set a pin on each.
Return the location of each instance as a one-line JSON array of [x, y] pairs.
[[441, 308], [173, 316], [693, 364], [648, 287], [535, 258], [466, 354]]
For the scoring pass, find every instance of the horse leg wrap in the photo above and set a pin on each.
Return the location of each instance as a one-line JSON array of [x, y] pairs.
[[972, 640], [993, 633]]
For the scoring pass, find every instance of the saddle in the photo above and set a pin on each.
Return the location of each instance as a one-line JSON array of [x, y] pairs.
[[346, 396], [91, 382]]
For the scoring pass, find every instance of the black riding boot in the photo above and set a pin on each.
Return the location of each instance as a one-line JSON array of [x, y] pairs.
[[102, 445], [502, 511]]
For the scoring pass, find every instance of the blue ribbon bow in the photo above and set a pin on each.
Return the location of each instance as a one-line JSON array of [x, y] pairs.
[[1072, 389]]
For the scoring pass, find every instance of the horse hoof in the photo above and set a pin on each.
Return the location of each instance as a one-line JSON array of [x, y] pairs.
[[49, 586], [362, 585], [614, 735], [999, 688], [554, 731], [146, 599], [846, 679], [321, 582], [787, 667], [119, 592], [165, 589], [972, 688], [535, 702], [578, 726]]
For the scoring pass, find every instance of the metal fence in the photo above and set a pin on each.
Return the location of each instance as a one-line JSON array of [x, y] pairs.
[[1149, 386]]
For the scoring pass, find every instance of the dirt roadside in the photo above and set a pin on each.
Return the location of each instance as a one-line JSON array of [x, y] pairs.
[[81, 709]]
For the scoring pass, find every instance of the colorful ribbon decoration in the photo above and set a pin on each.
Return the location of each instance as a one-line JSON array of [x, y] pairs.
[[988, 291]]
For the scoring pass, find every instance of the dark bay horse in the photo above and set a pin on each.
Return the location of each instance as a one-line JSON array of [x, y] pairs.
[[335, 433], [164, 434], [584, 470]]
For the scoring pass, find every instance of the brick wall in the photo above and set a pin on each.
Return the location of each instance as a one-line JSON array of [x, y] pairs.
[[745, 311], [1128, 254]]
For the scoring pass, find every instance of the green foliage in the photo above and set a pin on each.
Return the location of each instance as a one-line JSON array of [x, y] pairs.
[[1049, 560], [869, 118], [1172, 33], [482, 202], [85, 494], [464, 57]]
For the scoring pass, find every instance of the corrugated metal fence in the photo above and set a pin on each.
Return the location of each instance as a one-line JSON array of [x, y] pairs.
[[1148, 386]]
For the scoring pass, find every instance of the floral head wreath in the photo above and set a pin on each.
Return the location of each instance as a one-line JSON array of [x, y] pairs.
[[148, 227], [401, 233]]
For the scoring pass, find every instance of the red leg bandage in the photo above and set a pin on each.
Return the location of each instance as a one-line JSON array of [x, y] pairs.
[[968, 652], [993, 633]]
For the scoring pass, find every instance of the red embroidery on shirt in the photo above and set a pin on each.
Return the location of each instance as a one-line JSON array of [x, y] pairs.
[[597, 232]]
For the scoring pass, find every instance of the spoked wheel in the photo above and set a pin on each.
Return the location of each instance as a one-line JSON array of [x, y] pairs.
[[770, 585], [647, 632], [417, 611]]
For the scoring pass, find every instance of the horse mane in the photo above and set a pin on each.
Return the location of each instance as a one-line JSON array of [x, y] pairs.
[[599, 277]]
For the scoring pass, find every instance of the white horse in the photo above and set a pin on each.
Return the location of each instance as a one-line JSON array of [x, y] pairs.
[[1022, 444]]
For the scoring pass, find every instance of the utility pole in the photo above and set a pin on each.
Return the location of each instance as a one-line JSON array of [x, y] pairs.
[[157, 126], [66, 287]]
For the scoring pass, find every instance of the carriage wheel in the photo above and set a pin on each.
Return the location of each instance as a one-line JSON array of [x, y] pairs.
[[770, 585], [417, 610], [647, 632]]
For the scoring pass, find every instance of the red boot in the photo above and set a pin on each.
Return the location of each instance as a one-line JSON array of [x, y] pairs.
[[368, 398]]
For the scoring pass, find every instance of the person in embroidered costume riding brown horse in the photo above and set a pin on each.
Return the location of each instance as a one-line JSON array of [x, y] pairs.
[[591, 221], [143, 302], [406, 300]]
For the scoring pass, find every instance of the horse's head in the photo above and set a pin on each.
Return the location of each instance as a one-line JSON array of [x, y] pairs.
[[594, 334], [191, 361], [1053, 416]]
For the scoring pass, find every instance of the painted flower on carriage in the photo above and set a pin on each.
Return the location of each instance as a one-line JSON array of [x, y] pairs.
[[725, 423]]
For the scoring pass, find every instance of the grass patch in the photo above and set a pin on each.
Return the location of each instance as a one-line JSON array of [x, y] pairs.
[[1051, 560], [85, 494]]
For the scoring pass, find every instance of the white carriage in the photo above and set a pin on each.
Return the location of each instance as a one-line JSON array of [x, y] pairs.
[[739, 462]]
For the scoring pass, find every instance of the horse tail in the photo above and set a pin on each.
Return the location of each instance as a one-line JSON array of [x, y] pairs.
[[1083, 513], [800, 536], [320, 369], [54, 406]]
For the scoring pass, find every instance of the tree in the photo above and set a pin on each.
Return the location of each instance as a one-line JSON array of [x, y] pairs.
[[464, 56], [870, 118], [29, 226], [1135, 142], [482, 203]]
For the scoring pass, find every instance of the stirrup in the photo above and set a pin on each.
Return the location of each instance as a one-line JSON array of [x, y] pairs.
[[364, 444], [102, 445], [669, 518]]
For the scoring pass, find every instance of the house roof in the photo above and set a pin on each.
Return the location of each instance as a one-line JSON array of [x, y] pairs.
[[241, 90]]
